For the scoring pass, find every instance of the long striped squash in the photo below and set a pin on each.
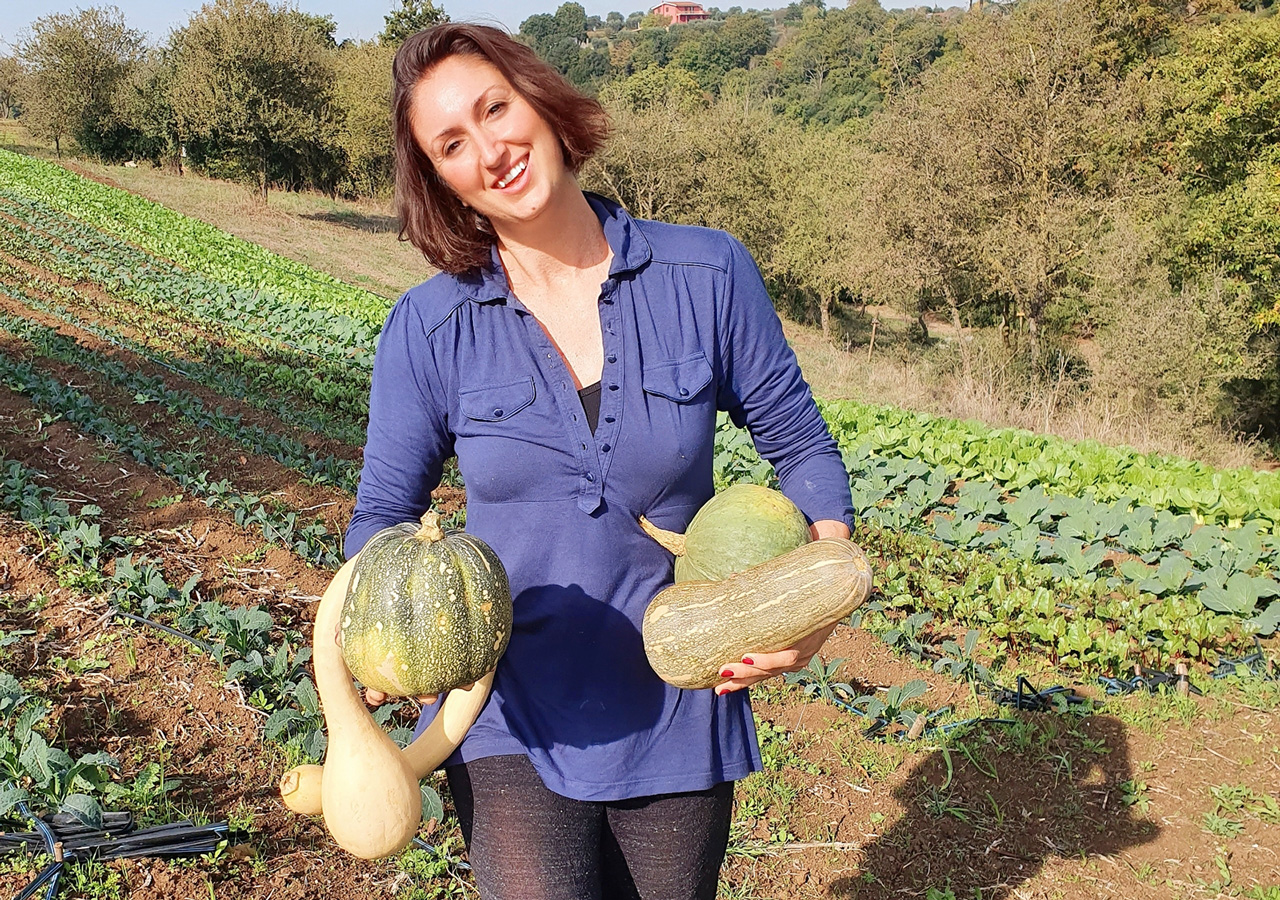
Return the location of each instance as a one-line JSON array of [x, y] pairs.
[[693, 628]]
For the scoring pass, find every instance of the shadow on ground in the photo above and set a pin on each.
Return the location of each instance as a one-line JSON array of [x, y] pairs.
[[370, 222], [986, 815]]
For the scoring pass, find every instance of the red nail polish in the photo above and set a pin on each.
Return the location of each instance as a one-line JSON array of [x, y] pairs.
[[726, 673], [746, 661]]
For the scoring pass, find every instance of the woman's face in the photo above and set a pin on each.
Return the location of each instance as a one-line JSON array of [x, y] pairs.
[[488, 144]]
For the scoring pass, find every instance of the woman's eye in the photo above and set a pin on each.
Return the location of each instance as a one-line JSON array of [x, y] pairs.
[[450, 147], [495, 108]]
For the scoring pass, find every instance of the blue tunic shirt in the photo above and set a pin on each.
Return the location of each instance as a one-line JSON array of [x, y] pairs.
[[462, 367]]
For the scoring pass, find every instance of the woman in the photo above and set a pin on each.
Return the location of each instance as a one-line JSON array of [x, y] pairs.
[[574, 358]]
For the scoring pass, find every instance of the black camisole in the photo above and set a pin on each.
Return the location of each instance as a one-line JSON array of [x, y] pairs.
[[590, 397]]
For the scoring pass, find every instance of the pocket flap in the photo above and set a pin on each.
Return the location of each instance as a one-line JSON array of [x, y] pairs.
[[678, 379], [495, 402]]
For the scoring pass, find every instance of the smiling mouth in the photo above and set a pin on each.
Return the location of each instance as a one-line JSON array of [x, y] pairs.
[[515, 173]]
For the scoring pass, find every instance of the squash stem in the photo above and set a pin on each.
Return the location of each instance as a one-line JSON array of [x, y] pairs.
[[430, 530], [674, 542]]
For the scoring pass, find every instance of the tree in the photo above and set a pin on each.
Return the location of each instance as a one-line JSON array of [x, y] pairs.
[[10, 84], [927, 207], [561, 40], [362, 93], [1031, 99], [820, 250], [654, 87], [74, 63], [145, 111], [409, 18], [254, 82]]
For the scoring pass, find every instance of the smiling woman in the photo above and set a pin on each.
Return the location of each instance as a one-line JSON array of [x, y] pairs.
[[574, 359], [434, 218]]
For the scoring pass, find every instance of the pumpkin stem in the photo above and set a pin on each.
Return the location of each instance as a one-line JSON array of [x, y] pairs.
[[671, 540], [430, 530]]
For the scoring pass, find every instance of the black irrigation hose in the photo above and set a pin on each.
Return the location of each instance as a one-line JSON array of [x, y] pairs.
[[142, 620], [52, 873], [1256, 664], [456, 863], [1025, 696], [67, 841], [1153, 682]]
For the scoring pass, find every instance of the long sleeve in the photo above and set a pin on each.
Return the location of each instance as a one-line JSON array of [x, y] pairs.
[[762, 389], [408, 438]]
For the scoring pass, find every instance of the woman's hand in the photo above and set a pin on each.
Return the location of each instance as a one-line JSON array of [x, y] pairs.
[[758, 666], [755, 667], [377, 698]]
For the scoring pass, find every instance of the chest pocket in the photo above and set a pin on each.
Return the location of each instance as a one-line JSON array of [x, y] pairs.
[[678, 379], [496, 402]]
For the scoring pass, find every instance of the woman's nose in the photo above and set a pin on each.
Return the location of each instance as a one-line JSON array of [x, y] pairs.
[[492, 148]]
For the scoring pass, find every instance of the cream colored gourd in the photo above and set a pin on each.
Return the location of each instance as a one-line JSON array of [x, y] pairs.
[[368, 787]]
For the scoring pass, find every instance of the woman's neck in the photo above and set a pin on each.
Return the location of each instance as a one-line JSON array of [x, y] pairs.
[[565, 240]]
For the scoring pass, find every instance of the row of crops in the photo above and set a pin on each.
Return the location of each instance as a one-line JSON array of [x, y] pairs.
[[1101, 555]]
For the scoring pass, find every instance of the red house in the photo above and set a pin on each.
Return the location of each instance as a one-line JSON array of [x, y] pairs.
[[679, 13]]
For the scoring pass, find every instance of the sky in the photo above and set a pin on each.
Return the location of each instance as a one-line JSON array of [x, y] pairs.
[[357, 19]]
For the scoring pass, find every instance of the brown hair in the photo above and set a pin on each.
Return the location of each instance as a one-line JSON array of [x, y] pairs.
[[451, 236]]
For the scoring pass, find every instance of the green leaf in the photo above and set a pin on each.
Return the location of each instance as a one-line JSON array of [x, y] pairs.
[[84, 808], [432, 805], [10, 796], [1266, 622], [1239, 596]]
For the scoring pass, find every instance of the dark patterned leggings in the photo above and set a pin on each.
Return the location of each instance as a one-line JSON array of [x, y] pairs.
[[527, 843]]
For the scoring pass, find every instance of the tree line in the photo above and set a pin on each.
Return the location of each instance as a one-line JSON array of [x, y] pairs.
[[1034, 172]]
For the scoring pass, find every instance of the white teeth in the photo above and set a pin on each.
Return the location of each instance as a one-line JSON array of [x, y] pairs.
[[513, 174]]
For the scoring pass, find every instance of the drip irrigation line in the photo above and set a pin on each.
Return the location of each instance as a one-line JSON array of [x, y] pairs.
[[67, 841], [1152, 682], [1026, 697], [143, 620], [456, 863], [1256, 664]]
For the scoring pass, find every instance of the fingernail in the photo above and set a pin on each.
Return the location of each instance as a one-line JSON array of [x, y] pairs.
[[746, 661], [720, 691], [726, 672]]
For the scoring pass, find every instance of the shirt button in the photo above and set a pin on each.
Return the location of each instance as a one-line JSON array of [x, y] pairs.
[[604, 448], [590, 477], [584, 447], [497, 412], [684, 392], [613, 387], [612, 358], [609, 419]]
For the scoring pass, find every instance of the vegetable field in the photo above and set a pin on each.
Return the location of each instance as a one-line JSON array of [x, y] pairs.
[[1064, 684]]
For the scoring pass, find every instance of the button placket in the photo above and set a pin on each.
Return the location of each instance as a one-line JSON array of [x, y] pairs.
[[611, 379]]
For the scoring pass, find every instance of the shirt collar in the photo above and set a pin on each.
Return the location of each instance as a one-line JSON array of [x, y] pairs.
[[630, 248]]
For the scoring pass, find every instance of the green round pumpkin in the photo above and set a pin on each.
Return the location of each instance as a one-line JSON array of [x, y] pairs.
[[740, 527], [427, 610]]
